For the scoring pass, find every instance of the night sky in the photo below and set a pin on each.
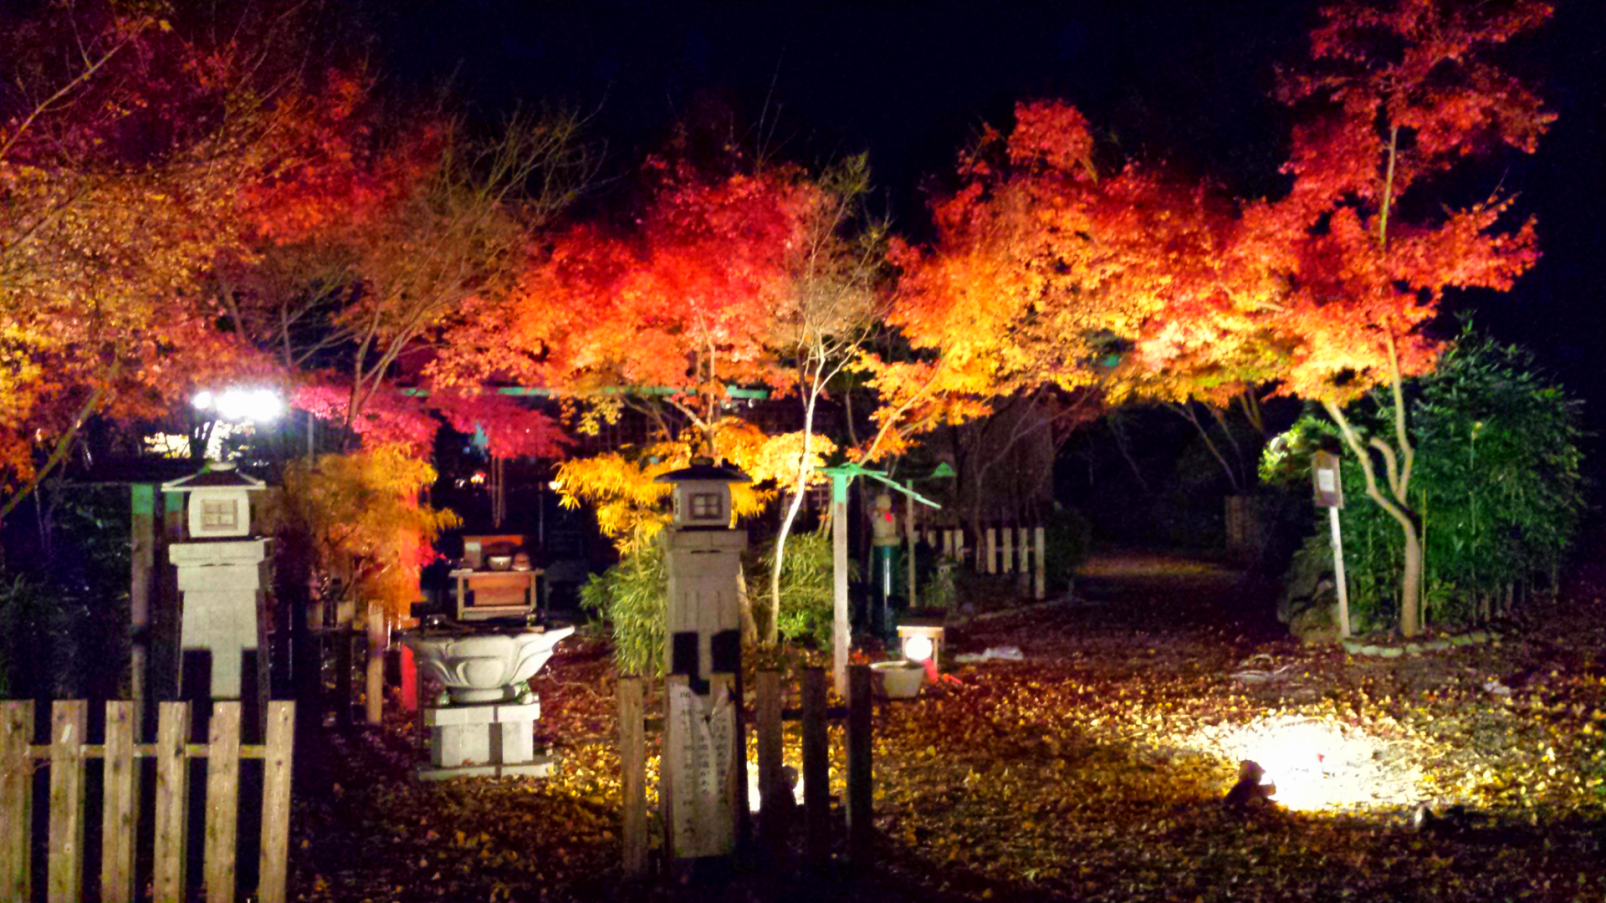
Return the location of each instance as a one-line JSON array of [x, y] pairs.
[[912, 82]]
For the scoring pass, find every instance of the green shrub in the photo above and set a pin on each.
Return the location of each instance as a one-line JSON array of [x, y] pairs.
[[631, 595], [1067, 538], [806, 598], [1496, 484]]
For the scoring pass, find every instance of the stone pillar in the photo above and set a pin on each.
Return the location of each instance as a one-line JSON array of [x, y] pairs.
[[220, 582]]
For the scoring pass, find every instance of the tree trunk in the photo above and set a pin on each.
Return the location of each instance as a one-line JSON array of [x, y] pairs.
[[1411, 583], [1411, 580], [772, 630]]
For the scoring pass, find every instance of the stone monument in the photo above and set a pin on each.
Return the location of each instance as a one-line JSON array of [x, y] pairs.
[[704, 756]]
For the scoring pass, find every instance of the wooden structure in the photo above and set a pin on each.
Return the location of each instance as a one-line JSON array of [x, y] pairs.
[[1000, 550], [495, 594], [777, 811], [488, 586], [67, 756]]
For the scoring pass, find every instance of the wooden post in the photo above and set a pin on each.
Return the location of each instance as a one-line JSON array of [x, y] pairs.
[[1009, 550], [16, 796], [345, 638], [119, 815], [633, 762], [839, 583], [69, 721], [276, 764], [861, 782], [165, 668], [912, 508], [959, 546], [142, 567], [1338, 573], [172, 802], [378, 639], [992, 545], [222, 801], [768, 705], [816, 768], [1040, 575]]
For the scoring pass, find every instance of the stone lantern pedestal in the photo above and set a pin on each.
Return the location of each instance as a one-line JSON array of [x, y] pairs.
[[220, 583], [222, 572]]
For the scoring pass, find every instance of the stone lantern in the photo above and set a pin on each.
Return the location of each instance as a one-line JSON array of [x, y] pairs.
[[221, 574], [703, 751]]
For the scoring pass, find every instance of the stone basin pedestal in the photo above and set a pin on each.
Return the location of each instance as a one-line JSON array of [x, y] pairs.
[[485, 727]]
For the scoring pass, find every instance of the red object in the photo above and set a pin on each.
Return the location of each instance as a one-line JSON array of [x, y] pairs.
[[409, 681]]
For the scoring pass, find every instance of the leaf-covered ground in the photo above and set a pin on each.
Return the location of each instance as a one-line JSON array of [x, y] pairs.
[[1091, 770]]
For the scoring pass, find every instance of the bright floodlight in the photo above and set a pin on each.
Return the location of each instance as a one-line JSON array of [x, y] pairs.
[[259, 405], [917, 648], [1320, 764]]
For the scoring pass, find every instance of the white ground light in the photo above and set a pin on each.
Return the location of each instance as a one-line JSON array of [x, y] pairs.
[[1317, 764]]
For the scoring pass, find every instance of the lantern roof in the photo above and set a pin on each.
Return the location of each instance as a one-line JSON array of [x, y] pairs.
[[216, 475], [705, 469]]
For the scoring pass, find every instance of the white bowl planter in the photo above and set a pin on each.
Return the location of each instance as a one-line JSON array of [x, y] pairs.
[[485, 667], [900, 679]]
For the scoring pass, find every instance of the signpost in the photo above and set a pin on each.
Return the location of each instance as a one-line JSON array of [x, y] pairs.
[[841, 477], [1330, 495]]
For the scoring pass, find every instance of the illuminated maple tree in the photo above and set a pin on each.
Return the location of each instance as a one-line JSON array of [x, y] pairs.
[[1393, 96], [369, 533], [662, 316], [126, 163]]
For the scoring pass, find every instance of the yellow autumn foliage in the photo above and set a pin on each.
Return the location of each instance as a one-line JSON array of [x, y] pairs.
[[631, 508], [370, 532]]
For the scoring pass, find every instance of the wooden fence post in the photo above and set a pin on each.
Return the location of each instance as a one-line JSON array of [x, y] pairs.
[[1009, 550], [378, 639], [222, 801], [992, 544], [768, 705], [172, 801], [1039, 576], [861, 782], [816, 768], [119, 815], [276, 763], [16, 795], [633, 762], [345, 637], [69, 721]]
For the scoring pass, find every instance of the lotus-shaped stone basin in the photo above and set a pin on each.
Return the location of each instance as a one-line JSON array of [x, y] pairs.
[[485, 666]]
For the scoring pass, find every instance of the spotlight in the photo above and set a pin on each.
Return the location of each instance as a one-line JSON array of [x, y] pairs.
[[917, 648]]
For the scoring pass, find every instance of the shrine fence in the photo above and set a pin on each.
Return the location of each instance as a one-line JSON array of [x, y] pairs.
[[67, 757], [777, 810]]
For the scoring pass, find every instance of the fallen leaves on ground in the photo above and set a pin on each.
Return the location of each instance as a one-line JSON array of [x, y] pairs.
[[1092, 770]]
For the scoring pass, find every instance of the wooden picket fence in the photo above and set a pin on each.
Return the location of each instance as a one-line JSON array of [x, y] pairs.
[[67, 756], [775, 807], [1002, 550]]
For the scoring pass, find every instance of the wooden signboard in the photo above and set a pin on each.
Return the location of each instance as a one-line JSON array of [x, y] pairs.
[[1325, 475], [1324, 470]]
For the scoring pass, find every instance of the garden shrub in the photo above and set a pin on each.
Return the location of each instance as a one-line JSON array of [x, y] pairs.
[[806, 593], [1067, 538], [632, 596], [1496, 484]]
